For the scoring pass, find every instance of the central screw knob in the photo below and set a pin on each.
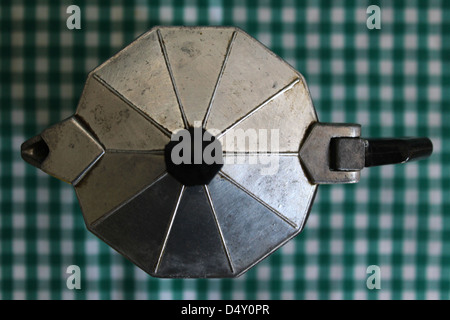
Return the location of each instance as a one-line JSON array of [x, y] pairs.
[[193, 156]]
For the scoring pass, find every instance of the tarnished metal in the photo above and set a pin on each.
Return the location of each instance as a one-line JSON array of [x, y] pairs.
[[139, 75], [278, 182], [347, 154], [117, 152], [293, 100], [251, 76], [117, 178], [115, 123], [196, 58], [315, 153], [66, 151]]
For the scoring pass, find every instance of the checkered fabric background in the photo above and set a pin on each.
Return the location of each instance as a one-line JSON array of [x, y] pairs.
[[394, 81]]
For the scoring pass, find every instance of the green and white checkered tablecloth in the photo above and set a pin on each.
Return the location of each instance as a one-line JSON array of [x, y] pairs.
[[394, 81]]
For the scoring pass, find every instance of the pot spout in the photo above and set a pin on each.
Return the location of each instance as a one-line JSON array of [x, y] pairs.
[[35, 151], [65, 150]]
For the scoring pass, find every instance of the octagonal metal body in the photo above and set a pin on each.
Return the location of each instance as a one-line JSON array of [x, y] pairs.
[[172, 78]]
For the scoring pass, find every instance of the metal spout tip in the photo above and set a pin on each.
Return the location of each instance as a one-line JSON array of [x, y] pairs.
[[34, 151]]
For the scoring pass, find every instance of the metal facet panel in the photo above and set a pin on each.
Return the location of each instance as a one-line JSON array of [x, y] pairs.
[[196, 57], [140, 75], [72, 150], [285, 118], [251, 231], [116, 124], [194, 246], [278, 181], [138, 228], [315, 155], [116, 178], [252, 75]]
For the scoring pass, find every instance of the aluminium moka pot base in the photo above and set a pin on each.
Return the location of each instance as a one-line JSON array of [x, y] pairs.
[[221, 79]]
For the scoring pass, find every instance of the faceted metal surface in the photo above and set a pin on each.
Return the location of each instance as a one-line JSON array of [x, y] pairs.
[[196, 58], [171, 78], [139, 75], [293, 101], [252, 75], [250, 229], [194, 241], [137, 229], [114, 180], [315, 156], [283, 187], [67, 142], [116, 124]]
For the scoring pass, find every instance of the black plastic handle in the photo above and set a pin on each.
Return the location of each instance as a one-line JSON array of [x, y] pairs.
[[396, 150]]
